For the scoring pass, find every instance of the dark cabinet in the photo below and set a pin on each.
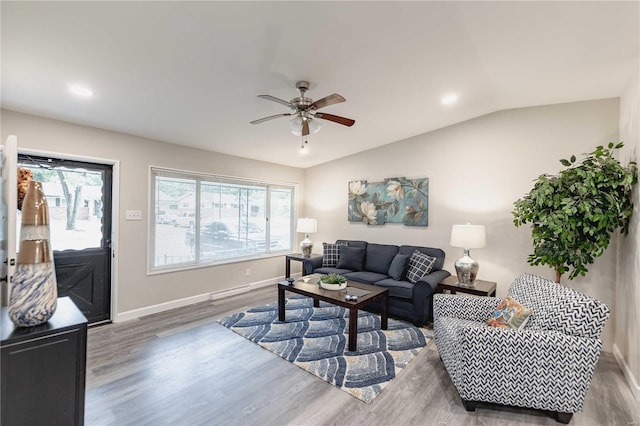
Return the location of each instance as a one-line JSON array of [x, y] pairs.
[[43, 369]]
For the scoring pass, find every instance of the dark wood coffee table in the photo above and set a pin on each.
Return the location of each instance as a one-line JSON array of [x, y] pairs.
[[366, 293]]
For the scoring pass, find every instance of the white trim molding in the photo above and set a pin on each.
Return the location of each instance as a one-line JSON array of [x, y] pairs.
[[161, 307], [633, 384]]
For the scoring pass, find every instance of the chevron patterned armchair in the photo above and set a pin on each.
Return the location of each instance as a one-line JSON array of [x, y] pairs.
[[548, 364]]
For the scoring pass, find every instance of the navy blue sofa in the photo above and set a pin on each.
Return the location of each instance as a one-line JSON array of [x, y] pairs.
[[413, 302]]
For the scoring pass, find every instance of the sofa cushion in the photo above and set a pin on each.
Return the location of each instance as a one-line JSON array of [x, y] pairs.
[[351, 258], [429, 251], [327, 271], [398, 267], [365, 277], [509, 314], [331, 254], [401, 289], [419, 265], [379, 257]]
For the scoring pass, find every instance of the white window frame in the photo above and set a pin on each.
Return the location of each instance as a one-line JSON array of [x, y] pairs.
[[199, 177]]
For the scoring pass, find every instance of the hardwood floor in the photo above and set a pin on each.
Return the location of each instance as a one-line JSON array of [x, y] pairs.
[[182, 368]]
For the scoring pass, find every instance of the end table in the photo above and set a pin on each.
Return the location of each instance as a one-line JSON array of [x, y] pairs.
[[480, 288], [297, 256]]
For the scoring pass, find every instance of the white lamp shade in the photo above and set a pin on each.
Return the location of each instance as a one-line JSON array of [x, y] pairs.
[[306, 225], [468, 236]]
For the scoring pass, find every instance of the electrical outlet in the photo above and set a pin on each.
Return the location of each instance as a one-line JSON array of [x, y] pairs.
[[133, 214], [247, 272]]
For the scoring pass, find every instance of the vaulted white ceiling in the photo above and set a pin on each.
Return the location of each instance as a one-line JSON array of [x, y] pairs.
[[189, 72]]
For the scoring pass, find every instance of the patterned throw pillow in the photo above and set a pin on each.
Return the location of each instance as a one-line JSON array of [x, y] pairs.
[[419, 265], [331, 254], [510, 314]]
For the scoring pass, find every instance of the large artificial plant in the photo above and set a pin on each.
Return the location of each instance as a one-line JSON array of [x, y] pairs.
[[574, 213]]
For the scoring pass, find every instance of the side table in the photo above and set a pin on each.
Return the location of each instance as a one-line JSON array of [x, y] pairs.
[[44, 369], [480, 287], [297, 256]]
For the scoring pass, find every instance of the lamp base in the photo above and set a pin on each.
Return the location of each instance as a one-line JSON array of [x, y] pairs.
[[467, 270], [306, 246]]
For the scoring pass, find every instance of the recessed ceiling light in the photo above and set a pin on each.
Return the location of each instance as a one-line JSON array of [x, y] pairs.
[[80, 90], [449, 99]]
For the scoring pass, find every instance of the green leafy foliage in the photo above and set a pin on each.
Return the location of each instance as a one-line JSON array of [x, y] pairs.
[[333, 279], [573, 214]]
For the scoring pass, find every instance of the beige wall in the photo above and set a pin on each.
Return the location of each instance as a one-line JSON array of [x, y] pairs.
[[135, 288], [476, 170], [627, 337]]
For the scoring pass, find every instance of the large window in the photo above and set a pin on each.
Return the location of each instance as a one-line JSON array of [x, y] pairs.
[[203, 219]]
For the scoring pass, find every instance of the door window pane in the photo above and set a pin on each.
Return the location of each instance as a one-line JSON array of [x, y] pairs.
[[74, 198]]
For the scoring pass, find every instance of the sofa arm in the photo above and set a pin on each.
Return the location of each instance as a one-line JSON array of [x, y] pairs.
[[311, 264], [463, 306], [433, 279], [424, 288], [533, 368]]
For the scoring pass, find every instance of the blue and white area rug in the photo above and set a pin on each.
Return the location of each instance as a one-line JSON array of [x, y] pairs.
[[316, 340]]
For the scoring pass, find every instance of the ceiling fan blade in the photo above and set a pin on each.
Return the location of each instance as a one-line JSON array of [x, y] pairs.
[[335, 118], [271, 117], [305, 127], [326, 101], [278, 100]]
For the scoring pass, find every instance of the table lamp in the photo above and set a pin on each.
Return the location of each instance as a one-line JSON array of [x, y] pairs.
[[307, 226], [467, 237]]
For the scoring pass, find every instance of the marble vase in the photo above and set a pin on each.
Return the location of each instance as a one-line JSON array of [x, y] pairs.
[[34, 290]]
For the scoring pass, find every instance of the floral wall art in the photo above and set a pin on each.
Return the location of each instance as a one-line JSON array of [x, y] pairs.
[[395, 200]]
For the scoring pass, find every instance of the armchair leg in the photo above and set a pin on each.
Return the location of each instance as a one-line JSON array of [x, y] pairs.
[[563, 418], [469, 405]]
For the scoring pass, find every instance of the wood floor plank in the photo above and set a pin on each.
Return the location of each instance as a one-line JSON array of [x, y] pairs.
[[180, 367]]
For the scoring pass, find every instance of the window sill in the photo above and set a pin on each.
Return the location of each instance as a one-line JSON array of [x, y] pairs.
[[188, 267]]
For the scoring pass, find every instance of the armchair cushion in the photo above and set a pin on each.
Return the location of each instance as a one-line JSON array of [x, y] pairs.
[[559, 308]]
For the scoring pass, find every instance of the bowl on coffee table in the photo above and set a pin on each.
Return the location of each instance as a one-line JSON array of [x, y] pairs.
[[333, 282]]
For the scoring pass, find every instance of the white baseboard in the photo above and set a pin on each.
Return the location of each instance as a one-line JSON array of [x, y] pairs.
[[242, 289], [633, 384], [161, 307]]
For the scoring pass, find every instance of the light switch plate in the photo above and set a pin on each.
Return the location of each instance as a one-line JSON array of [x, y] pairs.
[[133, 214]]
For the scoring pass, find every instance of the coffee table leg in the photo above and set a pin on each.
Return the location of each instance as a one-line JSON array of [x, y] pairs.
[[281, 304], [383, 315], [316, 303], [353, 329]]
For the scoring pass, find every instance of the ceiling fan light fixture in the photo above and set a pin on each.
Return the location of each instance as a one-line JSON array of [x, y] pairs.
[[296, 125]]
